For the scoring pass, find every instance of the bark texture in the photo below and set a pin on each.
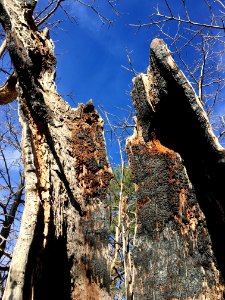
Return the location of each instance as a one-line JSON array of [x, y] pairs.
[[61, 252], [178, 167]]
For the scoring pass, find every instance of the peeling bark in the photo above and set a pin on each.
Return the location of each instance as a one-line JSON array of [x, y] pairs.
[[61, 252], [8, 91], [178, 168]]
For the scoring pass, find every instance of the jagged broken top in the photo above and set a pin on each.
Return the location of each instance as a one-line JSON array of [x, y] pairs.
[[165, 95], [168, 110]]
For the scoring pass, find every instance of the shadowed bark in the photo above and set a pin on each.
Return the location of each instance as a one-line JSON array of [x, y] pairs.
[[61, 252], [178, 168]]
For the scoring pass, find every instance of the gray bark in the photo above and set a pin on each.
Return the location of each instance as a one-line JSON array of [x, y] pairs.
[[61, 252], [178, 166]]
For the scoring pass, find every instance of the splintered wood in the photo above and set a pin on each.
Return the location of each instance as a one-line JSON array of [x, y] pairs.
[[171, 155]]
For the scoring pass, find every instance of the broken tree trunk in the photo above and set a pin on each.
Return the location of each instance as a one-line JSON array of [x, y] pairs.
[[178, 168], [61, 252]]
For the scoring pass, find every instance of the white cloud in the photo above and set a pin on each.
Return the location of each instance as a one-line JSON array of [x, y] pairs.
[[13, 158], [84, 16]]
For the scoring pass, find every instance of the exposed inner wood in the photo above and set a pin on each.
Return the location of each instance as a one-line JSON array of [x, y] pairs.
[[178, 168], [8, 91], [61, 252]]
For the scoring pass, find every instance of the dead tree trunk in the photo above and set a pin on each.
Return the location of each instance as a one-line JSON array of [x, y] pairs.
[[178, 168], [61, 252]]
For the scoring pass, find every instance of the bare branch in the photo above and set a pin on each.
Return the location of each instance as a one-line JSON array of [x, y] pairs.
[[103, 18], [4, 268], [202, 73], [166, 18], [221, 3], [2, 48], [167, 4], [130, 63], [6, 227], [39, 23]]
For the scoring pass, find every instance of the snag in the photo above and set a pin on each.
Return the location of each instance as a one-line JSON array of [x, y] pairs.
[[178, 167]]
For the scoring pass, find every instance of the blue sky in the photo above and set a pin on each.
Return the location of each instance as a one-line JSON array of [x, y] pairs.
[[91, 56]]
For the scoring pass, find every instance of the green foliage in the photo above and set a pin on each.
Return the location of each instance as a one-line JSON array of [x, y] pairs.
[[127, 191]]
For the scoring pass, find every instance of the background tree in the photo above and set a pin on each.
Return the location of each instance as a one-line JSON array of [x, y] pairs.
[[11, 188], [122, 223], [122, 207]]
